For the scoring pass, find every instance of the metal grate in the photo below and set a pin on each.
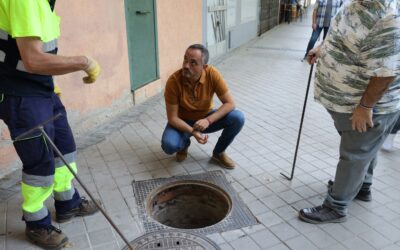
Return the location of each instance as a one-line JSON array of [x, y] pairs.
[[240, 216], [172, 239]]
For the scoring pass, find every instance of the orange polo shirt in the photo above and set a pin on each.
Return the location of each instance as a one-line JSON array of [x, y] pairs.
[[195, 100]]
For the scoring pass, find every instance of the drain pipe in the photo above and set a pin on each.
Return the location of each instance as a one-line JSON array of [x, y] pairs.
[[40, 127]]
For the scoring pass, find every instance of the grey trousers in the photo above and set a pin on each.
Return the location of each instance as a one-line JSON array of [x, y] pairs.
[[358, 158]]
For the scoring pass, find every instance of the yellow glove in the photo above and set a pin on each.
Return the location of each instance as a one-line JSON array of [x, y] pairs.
[[57, 90], [92, 71]]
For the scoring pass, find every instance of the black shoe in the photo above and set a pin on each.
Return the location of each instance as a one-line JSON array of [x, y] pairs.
[[321, 214], [85, 208], [363, 195]]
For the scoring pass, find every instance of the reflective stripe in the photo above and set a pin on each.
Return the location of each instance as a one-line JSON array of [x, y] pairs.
[[64, 196], [34, 197], [43, 212], [37, 180], [20, 66], [63, 178], [2, 56], [3, 35], [49, 46], [70, 158]]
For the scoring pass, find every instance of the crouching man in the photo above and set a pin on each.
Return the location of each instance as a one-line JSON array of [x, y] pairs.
[[190, 109]]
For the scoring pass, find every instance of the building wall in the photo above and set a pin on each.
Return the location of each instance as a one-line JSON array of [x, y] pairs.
[[179, 25], [97, 28], [238, 24], [269, 16]]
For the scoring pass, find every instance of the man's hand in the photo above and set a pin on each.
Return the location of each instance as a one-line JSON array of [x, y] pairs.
[[201, 125], [92, 71], [314, 26], [361, 119], [313, 55], [200, 138]]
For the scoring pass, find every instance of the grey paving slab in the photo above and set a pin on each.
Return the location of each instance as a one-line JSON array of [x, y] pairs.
[[300, 242], [321, 238], [244, 243], [79, 242], [101, 237], [74, 227], [226, 246], [284, 231]]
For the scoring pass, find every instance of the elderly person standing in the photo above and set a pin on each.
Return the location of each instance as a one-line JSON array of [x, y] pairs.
[[357, 82], [324, 11]]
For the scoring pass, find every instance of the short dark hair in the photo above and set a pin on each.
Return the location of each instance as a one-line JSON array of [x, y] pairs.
[[203, 49]]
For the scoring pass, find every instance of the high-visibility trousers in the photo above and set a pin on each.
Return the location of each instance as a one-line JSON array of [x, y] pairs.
[[44, 173]]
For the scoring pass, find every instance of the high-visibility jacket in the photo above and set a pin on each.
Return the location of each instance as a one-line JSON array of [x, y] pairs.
[[26, 18]]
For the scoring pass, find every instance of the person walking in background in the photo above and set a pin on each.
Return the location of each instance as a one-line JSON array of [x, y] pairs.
[[357, 81], [323, 12], [388, 144], [28, 60]]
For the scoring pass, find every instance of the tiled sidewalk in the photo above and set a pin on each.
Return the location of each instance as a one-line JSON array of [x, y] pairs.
[[268, 82]]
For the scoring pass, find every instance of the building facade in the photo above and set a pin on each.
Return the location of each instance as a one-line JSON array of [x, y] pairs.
[[138, 44]]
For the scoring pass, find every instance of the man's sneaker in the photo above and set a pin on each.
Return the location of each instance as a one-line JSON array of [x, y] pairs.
[[86, 207], [182, 155], [363, 195], [321, 214], [47, 238], [224, 160]]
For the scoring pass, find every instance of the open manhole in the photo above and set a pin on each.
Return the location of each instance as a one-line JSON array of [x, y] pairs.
[[161, 240], [236, 214], [189, 204]]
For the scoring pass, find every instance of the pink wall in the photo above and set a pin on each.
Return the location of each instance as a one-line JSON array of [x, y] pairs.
[[97, 28]]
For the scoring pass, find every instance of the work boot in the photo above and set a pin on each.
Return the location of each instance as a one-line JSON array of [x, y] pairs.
[[362, 195], [224, 160], [182, 155], [321, 214], [47, 238], [86, 207]]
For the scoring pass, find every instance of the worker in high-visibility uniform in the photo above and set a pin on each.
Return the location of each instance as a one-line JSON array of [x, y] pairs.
[[28, 60]]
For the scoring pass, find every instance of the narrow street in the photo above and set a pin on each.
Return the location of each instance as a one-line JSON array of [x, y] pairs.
[[268, 81]]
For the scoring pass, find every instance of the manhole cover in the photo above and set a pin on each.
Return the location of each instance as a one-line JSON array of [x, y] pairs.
[[161, 240], [189, 204], [238, 215]]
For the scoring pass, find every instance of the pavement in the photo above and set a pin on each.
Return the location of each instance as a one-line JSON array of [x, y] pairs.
[[269, 82]]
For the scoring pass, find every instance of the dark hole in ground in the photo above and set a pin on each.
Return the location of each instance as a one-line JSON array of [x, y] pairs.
[[189, 204]]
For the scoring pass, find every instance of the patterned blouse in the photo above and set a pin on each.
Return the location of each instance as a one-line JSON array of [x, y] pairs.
[[363, 42]]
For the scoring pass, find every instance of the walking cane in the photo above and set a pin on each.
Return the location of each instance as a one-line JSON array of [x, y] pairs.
[[40, 128], [301, 126]]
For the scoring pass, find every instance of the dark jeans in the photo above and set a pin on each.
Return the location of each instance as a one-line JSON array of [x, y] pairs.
[[314, 38], [174, 140]]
